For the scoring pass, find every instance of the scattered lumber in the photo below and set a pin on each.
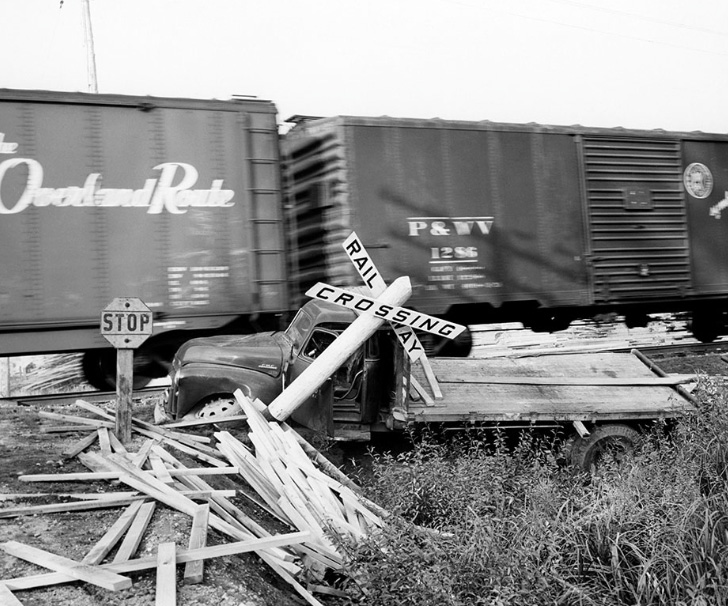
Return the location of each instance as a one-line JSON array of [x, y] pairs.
[[291, 485], [48, 579], [290, 479]]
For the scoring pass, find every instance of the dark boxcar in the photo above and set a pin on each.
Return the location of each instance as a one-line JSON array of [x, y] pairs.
[[529, 223], [174, 201]]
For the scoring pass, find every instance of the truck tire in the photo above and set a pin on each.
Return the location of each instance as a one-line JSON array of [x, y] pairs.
[[99, 369], [585, 453]]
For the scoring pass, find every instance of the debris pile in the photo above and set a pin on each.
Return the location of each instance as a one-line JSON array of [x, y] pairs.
[[293, 482]]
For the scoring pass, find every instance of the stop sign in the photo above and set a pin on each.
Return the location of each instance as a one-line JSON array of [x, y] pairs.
[[126, 322]]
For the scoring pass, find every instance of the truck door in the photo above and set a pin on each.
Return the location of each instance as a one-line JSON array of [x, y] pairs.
[[343, 398]]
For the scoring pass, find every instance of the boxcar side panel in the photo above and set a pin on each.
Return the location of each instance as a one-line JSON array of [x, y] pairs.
[[706, 184], [103, 198], [472, 216]]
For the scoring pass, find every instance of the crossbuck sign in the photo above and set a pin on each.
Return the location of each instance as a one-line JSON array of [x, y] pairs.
[[403, 320]]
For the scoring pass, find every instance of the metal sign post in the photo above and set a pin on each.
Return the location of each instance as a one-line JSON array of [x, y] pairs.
[[126, 323]]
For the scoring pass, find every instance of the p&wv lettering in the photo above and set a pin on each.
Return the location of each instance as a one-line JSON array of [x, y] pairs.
[[449, 226], [156, 195]]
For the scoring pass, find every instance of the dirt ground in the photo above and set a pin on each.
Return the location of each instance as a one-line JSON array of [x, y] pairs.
[[237, 580], [242, 580]]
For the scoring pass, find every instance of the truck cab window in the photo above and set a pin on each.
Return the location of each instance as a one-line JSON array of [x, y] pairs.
[[319, 341]]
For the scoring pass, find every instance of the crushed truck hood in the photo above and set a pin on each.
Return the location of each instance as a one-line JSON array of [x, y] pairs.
[[262, 352]]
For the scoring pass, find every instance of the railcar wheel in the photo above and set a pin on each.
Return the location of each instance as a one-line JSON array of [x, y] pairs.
[[99, 369], [442, 347], [706, 326], [612, 440]]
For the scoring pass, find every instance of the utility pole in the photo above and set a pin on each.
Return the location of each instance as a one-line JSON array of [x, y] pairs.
[[90, 54]]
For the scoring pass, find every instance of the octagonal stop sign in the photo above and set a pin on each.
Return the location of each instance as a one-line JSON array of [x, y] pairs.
[[126, 322]]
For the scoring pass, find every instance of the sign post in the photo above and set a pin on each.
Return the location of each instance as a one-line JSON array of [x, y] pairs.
[[126, 323]]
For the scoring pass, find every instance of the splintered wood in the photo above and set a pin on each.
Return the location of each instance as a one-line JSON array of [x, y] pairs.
[[292, 480], [296, 490]]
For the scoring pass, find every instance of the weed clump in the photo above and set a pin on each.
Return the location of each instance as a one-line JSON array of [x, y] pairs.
[[482, 521]]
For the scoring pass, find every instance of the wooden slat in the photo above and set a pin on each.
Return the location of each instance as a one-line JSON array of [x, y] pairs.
[[159, 469], [99, 551], [131, 541], [86, 496], [138, 459], [83, 572], [7, 598], [431, 378], [166, 593], [422, 392], [116, 445], [80, 446], [104, 441], [66, 428], [74, 419], [205, 421], [13, 512], [198, 538]]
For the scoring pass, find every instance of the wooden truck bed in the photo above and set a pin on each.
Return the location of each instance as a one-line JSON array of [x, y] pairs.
[[578, 387]]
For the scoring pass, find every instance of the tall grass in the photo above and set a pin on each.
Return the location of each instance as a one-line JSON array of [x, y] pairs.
[[482, 522]]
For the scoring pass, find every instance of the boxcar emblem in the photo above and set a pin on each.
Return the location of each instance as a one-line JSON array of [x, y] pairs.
[[698, 180]]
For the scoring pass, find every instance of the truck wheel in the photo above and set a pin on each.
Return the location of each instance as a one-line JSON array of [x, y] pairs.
[[99, 369], [616, 440], [217, 406]]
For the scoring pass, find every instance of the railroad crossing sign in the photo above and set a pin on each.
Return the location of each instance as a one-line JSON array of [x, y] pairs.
[[401, 319], [126, 322]]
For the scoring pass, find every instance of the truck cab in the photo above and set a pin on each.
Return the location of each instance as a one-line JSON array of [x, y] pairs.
[[207, 371]]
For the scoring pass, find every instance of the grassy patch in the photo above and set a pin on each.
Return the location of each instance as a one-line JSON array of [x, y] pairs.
[[484, 522]]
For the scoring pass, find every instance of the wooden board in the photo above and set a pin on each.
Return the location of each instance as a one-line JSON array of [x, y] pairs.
[[198, 538], [166, 593], [136, 532], [99, 551], [83, 572]]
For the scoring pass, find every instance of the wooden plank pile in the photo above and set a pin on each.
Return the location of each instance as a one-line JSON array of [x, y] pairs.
[[507, 339], [294, 483]]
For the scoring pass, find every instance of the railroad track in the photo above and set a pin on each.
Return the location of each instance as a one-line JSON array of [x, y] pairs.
[[89, 396]]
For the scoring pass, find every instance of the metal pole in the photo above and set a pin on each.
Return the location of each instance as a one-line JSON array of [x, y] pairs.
[[90, 54]]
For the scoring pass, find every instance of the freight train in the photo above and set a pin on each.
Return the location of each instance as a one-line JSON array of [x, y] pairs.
[[219, 224]]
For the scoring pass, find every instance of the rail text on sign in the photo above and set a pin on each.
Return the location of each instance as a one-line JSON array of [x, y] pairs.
[[399, 315], [376, 284]]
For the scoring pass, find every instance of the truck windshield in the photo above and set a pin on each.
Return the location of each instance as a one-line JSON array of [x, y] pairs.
[[298, 329]]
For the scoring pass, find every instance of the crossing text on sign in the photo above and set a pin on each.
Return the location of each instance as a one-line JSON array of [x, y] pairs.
[[399, 315]]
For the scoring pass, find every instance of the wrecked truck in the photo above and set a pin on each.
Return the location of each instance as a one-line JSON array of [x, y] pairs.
[[602, 400]]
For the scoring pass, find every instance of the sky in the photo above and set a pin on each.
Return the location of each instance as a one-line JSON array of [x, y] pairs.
[[632, 63]]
